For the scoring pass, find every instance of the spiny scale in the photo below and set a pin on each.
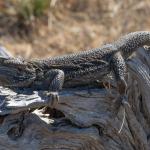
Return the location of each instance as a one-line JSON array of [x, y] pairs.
[[83, 66]]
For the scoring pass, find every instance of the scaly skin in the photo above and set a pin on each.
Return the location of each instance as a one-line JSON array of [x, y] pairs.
[[76, 69]]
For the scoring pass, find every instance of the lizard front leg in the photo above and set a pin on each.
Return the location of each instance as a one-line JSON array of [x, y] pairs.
[[54, 80], [119, 68]]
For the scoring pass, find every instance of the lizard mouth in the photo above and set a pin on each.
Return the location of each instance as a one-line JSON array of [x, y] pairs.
[[12, 76], [4, 80]]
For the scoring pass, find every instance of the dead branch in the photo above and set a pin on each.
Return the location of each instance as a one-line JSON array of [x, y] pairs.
[[87, 119]]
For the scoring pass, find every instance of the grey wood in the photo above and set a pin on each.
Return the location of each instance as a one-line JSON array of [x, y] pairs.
[[85, 119]]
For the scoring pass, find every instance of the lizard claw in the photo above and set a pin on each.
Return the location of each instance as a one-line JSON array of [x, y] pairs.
[[54, 98]]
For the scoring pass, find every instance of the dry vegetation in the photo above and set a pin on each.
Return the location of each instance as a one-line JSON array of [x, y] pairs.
[[69, 25]]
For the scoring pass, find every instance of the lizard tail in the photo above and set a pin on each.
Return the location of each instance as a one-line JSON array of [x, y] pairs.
[[130, 42]]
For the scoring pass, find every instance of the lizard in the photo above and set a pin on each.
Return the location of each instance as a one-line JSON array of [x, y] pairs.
[[73, 70]]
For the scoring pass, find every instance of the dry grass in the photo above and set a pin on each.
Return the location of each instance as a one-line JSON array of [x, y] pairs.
[[75, 25]]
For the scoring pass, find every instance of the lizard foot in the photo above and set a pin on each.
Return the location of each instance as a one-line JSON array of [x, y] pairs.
[[54, 98]]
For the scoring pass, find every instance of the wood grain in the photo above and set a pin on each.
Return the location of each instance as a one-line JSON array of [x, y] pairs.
[[84, 119]]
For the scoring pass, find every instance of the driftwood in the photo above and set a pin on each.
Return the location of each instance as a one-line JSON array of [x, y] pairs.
[[85, 119]]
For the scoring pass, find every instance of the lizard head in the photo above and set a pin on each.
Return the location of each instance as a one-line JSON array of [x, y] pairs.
[[15, 72]]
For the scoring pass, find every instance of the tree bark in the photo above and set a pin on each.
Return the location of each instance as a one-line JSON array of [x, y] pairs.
[[84, 119]]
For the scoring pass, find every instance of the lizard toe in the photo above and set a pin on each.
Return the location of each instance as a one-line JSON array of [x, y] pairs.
[[54, 98]]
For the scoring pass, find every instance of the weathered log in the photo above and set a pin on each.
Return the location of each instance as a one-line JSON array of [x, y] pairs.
[[86, 119]]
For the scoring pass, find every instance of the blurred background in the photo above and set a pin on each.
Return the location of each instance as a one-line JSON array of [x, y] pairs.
[[42, 28]]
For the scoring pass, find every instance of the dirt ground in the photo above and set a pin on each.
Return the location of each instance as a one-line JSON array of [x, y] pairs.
[[73, 26]]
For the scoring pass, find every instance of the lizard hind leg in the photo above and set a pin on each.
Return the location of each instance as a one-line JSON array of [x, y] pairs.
[[55, 80], [119, 68]]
